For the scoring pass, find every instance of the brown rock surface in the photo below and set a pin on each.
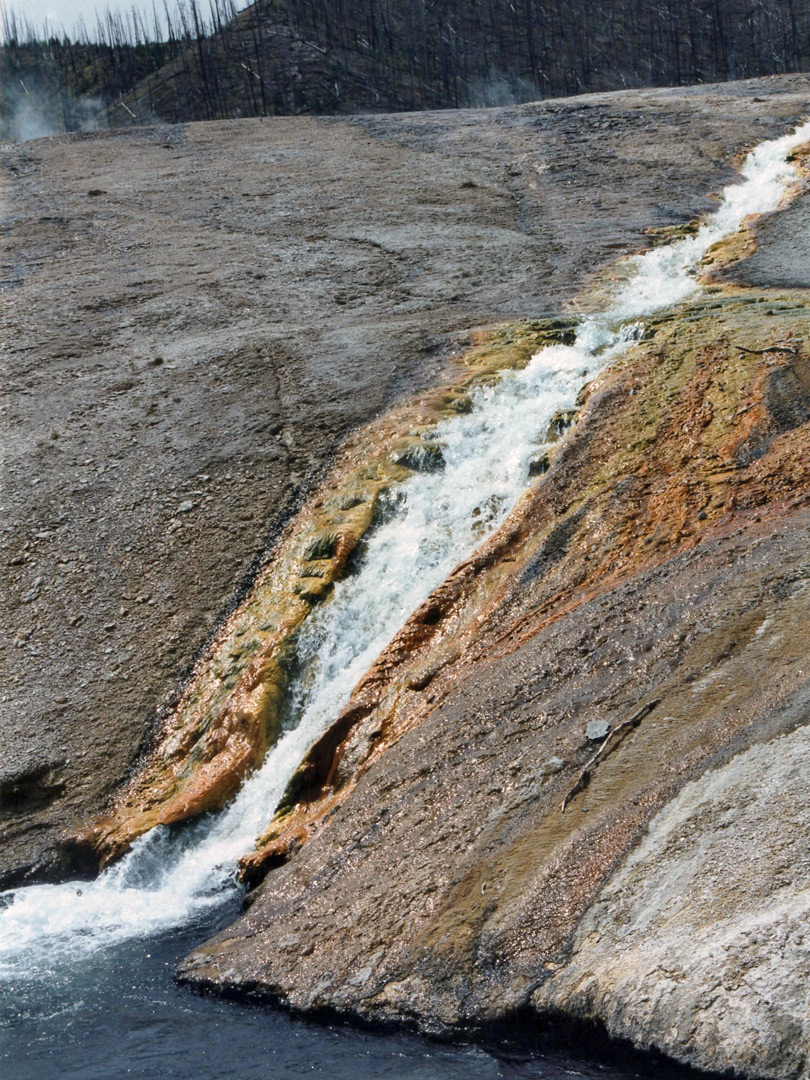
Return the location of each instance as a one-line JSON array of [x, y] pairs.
[[195, 317]]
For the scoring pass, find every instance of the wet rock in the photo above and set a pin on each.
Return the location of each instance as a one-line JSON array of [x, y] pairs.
[[420, 457], [322, 547], [462, 404], [595, 596], [664, 235], [559, 424], [474, 883], [230, 712], [540, 465], [460, 832]]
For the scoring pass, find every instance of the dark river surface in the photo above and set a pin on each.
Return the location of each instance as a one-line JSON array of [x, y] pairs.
[[120, 1014]]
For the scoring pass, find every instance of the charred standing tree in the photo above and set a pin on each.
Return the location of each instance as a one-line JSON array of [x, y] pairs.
[[284, 56]]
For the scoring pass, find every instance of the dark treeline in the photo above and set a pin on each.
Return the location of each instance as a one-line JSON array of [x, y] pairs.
[[64, 83], [327, 56]]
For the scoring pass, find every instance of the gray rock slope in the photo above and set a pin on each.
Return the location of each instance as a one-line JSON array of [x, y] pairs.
[[700, 944]]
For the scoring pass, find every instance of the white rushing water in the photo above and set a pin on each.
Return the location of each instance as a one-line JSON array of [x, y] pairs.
[[169, 878]]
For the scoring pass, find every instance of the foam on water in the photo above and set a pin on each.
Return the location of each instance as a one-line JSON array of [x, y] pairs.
[[169, 878]]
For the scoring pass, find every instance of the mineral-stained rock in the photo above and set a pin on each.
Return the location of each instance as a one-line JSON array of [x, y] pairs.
[[662, 558], [668, 432], [229, 713], [436, 857], [452, 873], [560, 423], [539, 465]]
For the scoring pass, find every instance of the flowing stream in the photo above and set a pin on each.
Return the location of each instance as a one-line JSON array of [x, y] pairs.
[[50, 933]]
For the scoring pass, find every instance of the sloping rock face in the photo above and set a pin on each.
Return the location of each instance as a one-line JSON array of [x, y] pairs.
[[194, 320], [453, 853], [699, 943]]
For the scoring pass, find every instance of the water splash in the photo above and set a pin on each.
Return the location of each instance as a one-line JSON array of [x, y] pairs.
[[169, 877]]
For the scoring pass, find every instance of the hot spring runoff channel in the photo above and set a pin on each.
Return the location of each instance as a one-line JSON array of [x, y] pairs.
[[64, 948]]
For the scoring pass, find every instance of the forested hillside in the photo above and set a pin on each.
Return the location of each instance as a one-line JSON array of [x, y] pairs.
[[338, 56]]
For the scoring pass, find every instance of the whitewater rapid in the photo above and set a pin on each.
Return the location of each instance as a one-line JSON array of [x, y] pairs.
[[171, 877]]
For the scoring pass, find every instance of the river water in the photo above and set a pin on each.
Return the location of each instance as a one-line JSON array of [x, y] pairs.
[[119, 1014], [87, 964]]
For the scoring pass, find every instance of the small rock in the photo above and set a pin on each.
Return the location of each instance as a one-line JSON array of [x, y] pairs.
[[540, 465], [597, 730], [701, 515], [185, 507], [420, 679], [361, 978], [553, 765], [559, 424], [420, 457]]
